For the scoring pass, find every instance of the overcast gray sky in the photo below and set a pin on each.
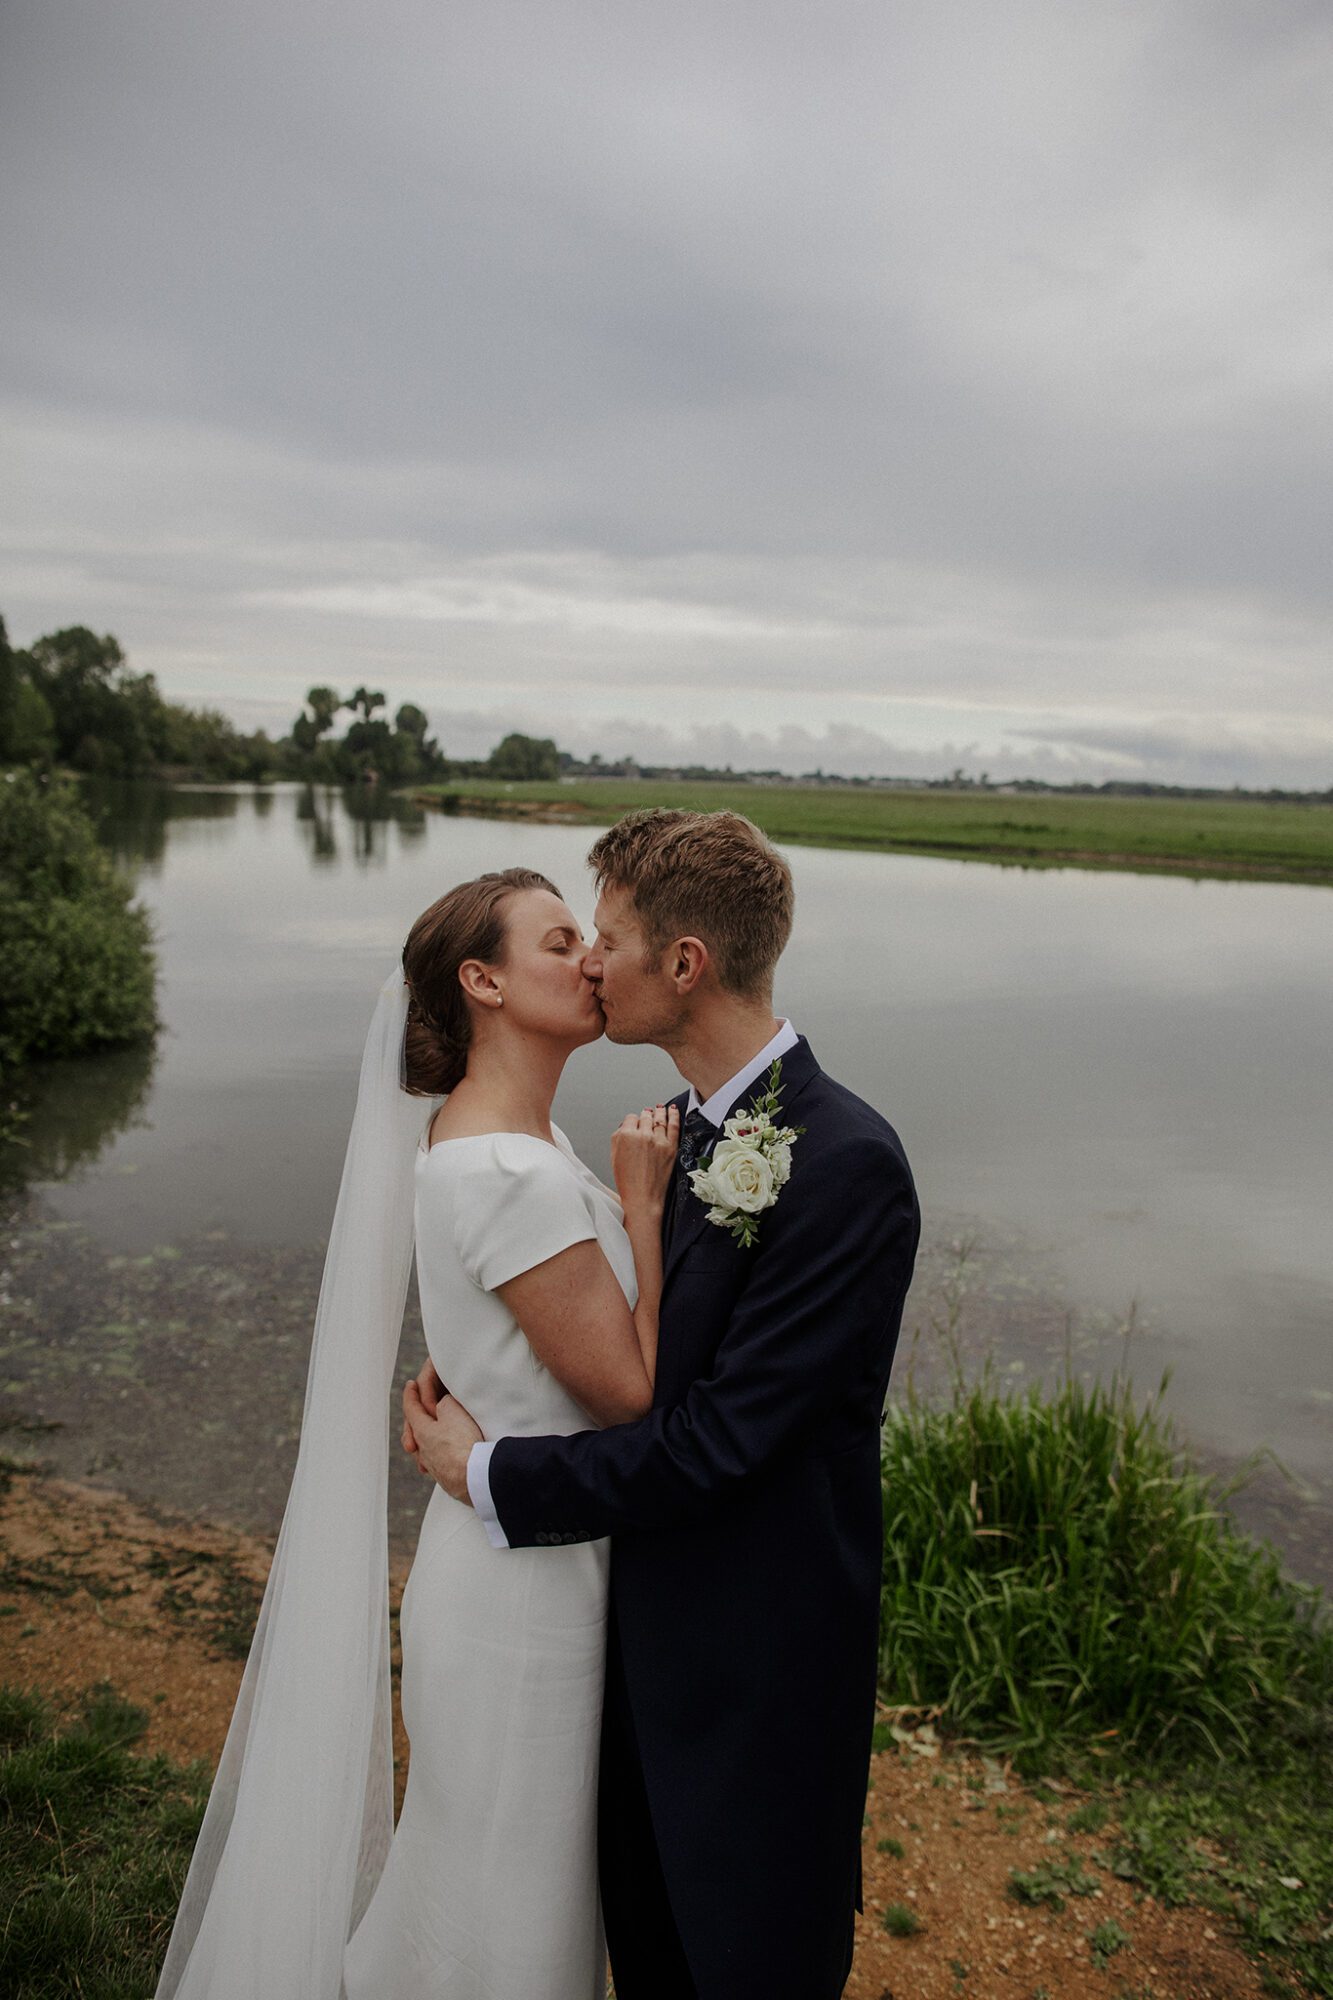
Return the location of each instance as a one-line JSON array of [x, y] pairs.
[[886, 386]]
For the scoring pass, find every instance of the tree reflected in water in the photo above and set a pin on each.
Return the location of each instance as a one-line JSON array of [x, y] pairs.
[[370, 811], [73, 1110]]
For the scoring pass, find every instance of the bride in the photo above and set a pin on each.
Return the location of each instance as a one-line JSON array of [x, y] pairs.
[[539, 1296]]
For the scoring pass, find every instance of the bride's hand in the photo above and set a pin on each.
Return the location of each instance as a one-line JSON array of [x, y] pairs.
[[430, 1389], [443, 1441], [643, 1153]]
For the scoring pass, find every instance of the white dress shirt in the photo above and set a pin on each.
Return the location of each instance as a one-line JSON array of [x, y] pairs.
[[715, 1110]]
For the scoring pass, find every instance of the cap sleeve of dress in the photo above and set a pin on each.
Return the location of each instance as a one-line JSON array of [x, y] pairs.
[[517, 1204]]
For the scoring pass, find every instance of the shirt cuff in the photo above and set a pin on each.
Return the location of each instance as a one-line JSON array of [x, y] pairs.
[[479, 1493]]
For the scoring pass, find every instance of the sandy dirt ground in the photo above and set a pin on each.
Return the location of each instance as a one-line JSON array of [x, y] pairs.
[[96, 1587]]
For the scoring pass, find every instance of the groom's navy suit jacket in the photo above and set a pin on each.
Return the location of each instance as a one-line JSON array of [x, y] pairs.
[[748, 1522]]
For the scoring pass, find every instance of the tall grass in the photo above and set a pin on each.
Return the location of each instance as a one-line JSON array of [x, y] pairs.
[[1056, 1570]]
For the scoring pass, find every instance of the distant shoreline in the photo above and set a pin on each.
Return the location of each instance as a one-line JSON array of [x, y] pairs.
[[1221, 839]]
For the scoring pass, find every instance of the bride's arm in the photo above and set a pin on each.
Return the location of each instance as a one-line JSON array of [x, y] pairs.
[[572, 1309]]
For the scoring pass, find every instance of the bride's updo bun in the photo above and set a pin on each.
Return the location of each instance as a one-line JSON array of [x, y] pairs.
[[467, 922]]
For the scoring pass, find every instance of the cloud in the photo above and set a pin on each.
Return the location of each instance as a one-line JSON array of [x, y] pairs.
[[1184, 751], [943, 362]]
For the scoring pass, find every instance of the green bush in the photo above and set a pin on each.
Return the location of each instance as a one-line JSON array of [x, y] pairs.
[[76, 961], [1055, 1570]]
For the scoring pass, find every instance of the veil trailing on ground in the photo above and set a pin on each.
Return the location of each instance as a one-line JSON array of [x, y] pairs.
[[300, 1816]]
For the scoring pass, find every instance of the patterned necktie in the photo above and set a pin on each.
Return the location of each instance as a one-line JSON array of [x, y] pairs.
[[697, 1135]]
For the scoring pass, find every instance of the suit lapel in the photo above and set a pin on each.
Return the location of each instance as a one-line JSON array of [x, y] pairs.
[[798, 1067], [689, 1224], [670, 1220]]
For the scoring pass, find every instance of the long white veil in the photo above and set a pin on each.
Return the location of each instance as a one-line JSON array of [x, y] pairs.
[[300, 1816]]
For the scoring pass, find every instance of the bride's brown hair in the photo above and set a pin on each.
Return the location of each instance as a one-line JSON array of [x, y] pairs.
[[467, 922]]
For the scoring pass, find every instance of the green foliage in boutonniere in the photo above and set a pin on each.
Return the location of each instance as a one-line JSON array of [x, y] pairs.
[[749, 1165]]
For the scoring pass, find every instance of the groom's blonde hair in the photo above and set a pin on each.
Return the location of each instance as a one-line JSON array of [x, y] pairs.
[[710, 875]]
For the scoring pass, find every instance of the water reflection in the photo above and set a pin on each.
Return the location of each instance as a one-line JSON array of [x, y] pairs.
[[314, 816], [74, 1111], [369, 812], [132, 818]]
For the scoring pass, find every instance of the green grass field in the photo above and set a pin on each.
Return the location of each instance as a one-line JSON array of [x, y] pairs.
[[1221, 836]]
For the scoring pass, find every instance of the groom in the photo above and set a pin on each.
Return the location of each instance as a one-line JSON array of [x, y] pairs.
[[746, 1508]]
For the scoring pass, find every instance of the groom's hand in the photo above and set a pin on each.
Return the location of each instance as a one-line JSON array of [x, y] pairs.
[[443, 1441], [430, 1389]]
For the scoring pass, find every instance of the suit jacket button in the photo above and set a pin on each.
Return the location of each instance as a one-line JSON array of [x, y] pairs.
[[541, 1538]]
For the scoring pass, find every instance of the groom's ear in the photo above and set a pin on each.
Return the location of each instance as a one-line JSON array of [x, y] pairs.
[[688, 959]]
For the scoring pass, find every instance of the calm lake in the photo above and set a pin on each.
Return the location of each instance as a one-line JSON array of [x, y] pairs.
[[1115, 1090]]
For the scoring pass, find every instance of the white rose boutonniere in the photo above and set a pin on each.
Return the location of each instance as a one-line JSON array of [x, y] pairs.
[[748, 1166]]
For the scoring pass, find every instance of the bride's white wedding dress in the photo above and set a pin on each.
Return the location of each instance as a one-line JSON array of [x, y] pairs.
[[490, 1887]]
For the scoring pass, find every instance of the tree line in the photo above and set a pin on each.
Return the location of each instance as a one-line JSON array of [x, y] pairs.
[[71, 700]]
